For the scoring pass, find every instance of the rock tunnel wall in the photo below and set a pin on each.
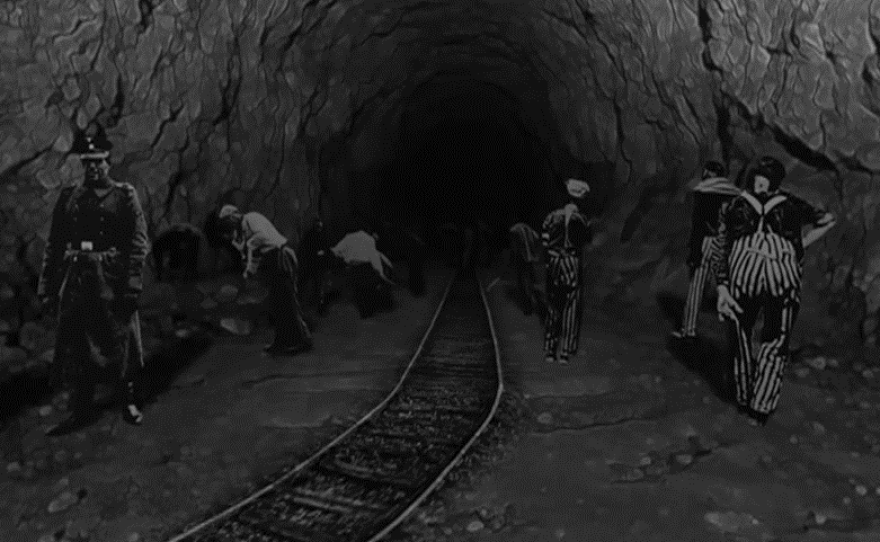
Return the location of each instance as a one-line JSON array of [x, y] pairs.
[[294, 101]]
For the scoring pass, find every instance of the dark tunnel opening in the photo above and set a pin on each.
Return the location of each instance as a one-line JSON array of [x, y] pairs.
[[465, 155]]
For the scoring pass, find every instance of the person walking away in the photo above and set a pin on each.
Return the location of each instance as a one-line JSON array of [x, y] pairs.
[[269, 256], [524, 254], [713, 193], [564, 233], [367, 270], [92, 279], [759, 268], [314, 253]]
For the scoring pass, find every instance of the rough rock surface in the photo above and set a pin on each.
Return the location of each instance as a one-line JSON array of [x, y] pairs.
[[291, 101]]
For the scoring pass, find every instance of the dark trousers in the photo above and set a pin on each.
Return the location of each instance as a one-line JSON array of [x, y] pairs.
[[417, 272], [525, 282], [279, 270], [371, 294], [758, 378], [312, 282], [177, 253]]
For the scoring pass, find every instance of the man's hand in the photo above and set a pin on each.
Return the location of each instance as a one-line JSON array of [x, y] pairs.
[[727, 306]]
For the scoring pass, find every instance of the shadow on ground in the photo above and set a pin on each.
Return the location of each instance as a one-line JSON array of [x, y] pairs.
[[708, 358]]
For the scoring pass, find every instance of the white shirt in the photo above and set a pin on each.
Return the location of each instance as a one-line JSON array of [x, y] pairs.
[[360, 247], [258, 236]]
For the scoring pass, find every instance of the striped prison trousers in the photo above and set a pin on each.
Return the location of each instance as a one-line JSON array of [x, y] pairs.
[[563, 304], [698, 286], [764, 274]]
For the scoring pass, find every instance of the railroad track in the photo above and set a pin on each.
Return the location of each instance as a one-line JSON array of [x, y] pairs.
[[361, 485]]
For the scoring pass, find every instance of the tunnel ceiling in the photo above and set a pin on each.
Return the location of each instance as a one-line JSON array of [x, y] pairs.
[[299, 103]]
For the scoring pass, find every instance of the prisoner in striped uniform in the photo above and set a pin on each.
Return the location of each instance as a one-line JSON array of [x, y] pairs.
[[759, 268], [710, 195], [563, 235], [264, 249], [524, 252]]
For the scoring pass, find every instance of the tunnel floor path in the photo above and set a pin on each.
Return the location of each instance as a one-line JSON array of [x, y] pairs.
[[626, 444], [228, 422]]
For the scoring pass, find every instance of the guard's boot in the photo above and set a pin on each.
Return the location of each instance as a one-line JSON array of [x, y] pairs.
[[131, 412], [82, 412]]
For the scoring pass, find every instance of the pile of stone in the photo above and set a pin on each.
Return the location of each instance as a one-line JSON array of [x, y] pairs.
[[26, 335]]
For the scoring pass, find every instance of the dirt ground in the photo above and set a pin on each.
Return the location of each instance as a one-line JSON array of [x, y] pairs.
[[634, 441], [215, 431]]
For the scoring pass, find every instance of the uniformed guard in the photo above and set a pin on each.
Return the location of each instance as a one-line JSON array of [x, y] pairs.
[[564, 233], [92, 276], [267, 252], [760, 268], [713, 193]]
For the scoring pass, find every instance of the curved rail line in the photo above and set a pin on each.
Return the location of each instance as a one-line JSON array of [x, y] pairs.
[[366, 481]]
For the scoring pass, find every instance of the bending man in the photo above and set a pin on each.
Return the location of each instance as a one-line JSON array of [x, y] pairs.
[[268, 252]]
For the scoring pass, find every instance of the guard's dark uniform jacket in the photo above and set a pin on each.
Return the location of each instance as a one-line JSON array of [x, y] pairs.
[[93, 268]]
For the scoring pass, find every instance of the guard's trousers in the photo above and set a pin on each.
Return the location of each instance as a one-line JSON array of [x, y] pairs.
[[563, 305]]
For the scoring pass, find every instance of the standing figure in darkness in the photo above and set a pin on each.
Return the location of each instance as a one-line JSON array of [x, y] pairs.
[[711, 195], [92, 278], [524, 254], [314, 253], [176, 252], [416, 254], [759, 268], [564, 234], [268, 254]]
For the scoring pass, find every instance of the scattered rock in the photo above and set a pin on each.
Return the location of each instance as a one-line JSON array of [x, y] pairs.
[[226, 294], [33, 337], [802, 372], [861, 490], [62, 502], [236, 326], [11, 355], [684, 459], [731, 522], [250, 299], [817, 363], [633, 475], [475, 525]]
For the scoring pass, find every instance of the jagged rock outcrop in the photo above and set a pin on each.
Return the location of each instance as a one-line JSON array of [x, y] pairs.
[[292, 100]]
